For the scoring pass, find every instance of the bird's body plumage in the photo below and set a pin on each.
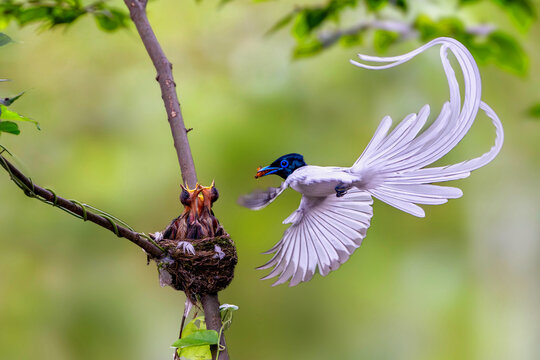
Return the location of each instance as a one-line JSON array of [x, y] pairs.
[[316, 181], [335, 210]]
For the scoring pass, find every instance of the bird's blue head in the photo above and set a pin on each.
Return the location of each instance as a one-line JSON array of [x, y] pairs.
[[283, 166]]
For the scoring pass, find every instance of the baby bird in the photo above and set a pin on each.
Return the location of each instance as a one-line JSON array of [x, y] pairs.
[[187, 225], [335, 210], [197, 221], [210, 195]]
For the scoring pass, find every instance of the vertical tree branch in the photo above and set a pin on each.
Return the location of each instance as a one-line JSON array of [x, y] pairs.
[[210, 303], [137, 11]]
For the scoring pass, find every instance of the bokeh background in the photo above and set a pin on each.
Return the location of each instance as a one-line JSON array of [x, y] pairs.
[[459, 284]]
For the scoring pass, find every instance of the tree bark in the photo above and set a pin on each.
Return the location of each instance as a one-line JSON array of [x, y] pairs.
[[137, 11], [210, 303]]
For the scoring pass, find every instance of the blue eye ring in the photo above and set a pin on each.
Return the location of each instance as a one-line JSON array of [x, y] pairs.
[[284, 163]]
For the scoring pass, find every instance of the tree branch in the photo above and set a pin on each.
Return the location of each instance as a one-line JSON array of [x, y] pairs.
[[137, 11], [210, 303], [73, 207], [404, 29], [328, 39], [168, 89]]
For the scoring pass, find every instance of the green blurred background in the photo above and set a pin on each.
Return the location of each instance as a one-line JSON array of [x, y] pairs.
[[460, 284]]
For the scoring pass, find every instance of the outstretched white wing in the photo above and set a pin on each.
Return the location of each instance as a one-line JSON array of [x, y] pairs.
[[325, 231], [393, 165]]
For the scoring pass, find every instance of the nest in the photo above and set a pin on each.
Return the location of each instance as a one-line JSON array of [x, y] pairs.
[[205, 272], [206, 264]]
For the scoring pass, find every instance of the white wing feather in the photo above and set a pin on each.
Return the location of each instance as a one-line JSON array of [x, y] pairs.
[[325, 231]]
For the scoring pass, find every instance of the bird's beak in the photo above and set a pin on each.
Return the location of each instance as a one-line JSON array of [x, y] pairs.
[[197, 192], [267, 170]]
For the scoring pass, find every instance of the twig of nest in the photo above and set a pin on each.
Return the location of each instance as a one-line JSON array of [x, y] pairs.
[[201, 255]]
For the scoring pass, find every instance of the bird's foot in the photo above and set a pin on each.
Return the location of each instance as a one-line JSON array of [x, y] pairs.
[[341, 189], [186, 247]]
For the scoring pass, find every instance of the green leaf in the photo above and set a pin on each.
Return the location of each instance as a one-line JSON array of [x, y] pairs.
[[522, 12], [376, 5], [9, 101], [4, 20], [9, 127], [451, 26], [61, 12], [198, 338], [307, 48], [111, 19], [402, 5], [507, 53], [66, 15], [194, 325], [534, 111], [4, 39], [6, 114], [308, 20], [338, 5], [34, 14], [481, 51], [448, 26], [351, 40], [195, 352], [281, 23], [383, 39], [426, 27]]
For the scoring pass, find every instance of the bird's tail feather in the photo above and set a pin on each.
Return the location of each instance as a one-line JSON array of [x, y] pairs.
[[397, 161]]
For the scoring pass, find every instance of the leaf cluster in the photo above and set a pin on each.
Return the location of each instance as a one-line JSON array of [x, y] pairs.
[[534, 111], [196, 339], [494, 46], [8, 117], [310, 27], [52, 13], [521, 12]]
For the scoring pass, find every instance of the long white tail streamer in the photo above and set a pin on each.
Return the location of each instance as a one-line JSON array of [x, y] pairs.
[[399, 158]]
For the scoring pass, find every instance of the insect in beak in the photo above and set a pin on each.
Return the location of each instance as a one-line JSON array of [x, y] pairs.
[[267, 170]]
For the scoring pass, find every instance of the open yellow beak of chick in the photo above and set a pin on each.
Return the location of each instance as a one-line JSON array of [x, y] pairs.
[[195, 200]]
